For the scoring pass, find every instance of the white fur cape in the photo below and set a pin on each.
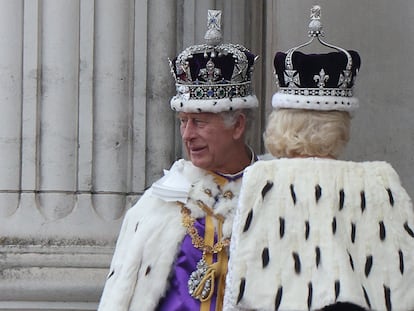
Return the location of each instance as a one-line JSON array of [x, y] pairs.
[[312, 232], [151, 235]]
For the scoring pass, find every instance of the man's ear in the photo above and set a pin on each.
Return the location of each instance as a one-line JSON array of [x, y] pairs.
[[239, 126]]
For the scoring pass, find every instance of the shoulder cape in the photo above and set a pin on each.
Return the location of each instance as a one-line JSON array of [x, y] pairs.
[[309, 233], [151, 235]]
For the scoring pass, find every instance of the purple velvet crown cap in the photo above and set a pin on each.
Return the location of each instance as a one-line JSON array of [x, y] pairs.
[[225, 65], [310, 65]]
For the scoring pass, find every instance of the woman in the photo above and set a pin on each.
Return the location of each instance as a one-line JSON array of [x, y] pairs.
[[313, 232]]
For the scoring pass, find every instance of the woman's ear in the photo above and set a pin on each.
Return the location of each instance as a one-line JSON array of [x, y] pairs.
[[239, 126]]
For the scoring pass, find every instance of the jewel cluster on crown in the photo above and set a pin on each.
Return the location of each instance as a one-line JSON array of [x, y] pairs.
[[292, 76], [210, 82]]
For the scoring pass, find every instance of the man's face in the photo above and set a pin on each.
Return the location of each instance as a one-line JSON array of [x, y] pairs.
[[207, 140]]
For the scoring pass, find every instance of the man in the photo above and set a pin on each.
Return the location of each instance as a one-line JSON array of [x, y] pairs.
[[171, 253]]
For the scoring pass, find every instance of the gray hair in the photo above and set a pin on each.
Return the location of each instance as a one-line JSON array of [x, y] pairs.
[[230, 117]]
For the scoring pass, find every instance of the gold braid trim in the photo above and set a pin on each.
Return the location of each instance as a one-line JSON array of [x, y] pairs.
[[196, 239]]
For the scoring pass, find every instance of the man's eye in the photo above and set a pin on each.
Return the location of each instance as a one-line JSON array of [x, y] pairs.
[[199, 122]]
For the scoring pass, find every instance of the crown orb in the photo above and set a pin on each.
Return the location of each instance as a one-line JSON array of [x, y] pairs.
[[315, 27], [213, 37]]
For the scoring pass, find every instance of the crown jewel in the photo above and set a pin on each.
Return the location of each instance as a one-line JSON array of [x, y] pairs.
[[316, 81], [214, 76]]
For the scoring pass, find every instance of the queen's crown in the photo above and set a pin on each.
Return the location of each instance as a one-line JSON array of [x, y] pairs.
[[324, 80]]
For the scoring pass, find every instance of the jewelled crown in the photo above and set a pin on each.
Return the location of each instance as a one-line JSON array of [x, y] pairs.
[[316, 81], [215, 76]]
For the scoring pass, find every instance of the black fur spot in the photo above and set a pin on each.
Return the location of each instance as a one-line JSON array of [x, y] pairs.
[[111, 274], [368, 265], [281, 227], [248, 221], [341, 199], [307, 229], [266, 188], [408, 229], [366, 297], [382, 231], [278, 299], [296, 259], [241, 289], [351, 261], [363, 201], [353, 232], [318, 193], [334, 225], [401, 256], [317, 256], [390, 196], [337, 289], [265, 257], [310, 295], [148, 270], [293, 194], [387, 294], [136, 226]]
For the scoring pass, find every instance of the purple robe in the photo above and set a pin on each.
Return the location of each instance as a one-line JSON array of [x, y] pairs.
[[177, 297]]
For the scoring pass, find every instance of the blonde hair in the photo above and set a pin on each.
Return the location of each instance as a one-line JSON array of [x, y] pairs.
[[297, 132]]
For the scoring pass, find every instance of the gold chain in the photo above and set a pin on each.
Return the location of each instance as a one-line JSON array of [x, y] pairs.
[[196, 239]]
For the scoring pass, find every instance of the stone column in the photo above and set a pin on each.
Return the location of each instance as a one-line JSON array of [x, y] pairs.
[[112, 107], [11, 17], [160, 120], [58, 107]]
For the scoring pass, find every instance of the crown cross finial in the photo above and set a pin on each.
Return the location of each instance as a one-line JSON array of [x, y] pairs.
[[315, 12], [213, 35], [315, 25]]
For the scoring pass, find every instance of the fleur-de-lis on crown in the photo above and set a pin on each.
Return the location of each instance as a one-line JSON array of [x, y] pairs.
[[321, 79]]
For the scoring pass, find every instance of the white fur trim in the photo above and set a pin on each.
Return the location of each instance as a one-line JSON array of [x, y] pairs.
[[340, 103], [213, 105]]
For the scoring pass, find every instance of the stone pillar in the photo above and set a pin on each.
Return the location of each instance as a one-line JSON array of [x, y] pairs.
[[162, 25], [11, 17], [58, 108], [112, 106]]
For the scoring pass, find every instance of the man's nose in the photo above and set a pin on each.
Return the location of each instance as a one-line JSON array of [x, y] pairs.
[[188, 130]]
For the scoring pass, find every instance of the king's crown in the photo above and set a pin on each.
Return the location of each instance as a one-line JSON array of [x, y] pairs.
[[213, 73]]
